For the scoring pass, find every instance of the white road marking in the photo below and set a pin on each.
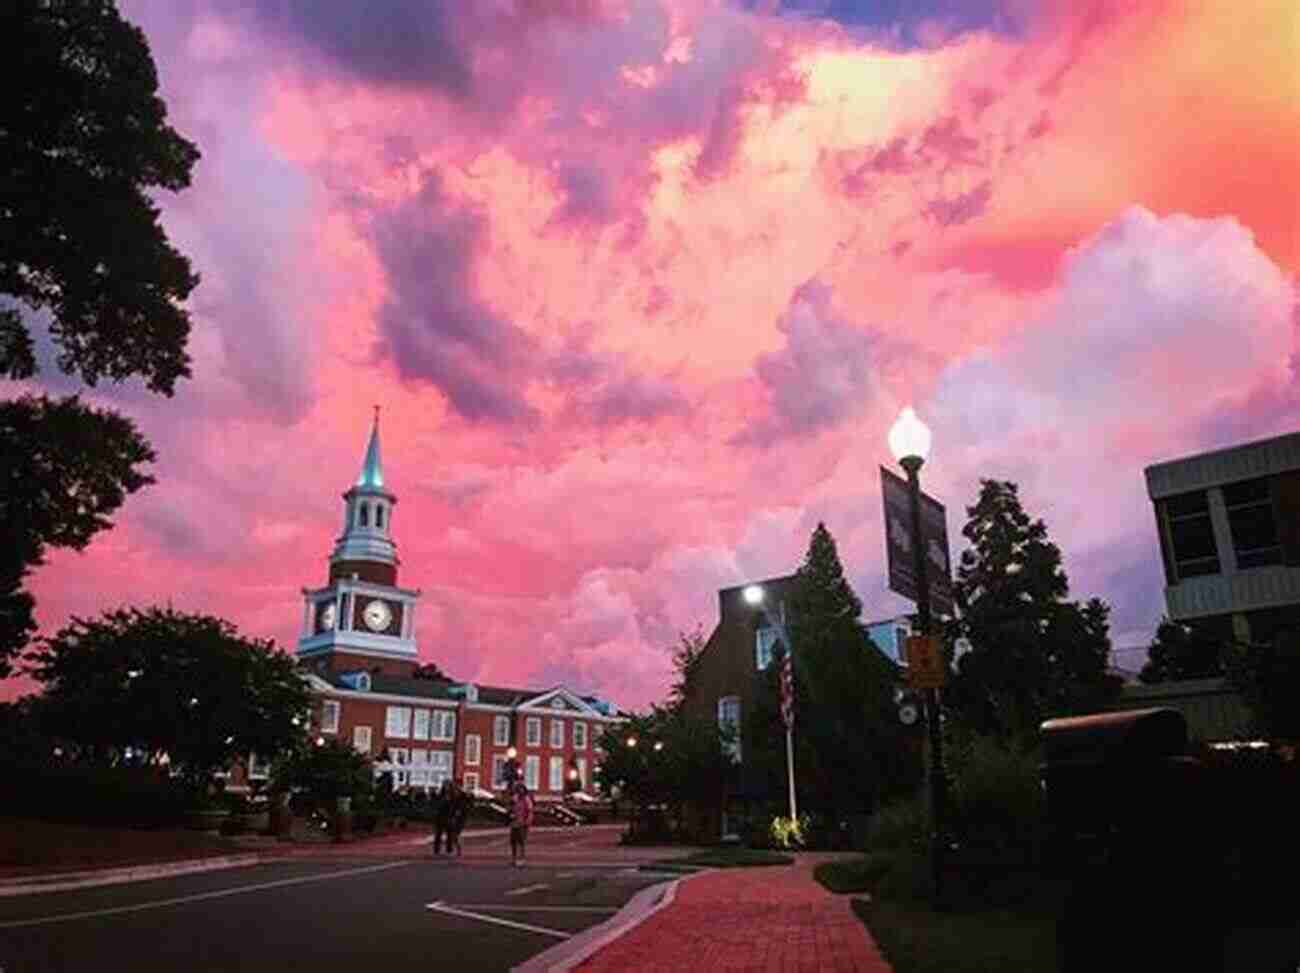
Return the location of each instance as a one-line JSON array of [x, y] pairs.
[[494, 907], [199, 897], [509, 924], [525, 889]]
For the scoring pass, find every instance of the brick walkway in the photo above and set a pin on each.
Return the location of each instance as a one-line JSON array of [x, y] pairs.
[[767, 919]]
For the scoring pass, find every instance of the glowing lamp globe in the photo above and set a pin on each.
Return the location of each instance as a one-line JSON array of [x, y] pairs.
[[909, 436], [753, 594]]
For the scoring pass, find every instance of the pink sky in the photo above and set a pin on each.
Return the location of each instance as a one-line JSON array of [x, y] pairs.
[[641, 286]]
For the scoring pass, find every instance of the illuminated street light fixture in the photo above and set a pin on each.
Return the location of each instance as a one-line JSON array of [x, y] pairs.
[[511, 753], [631, 741], [753, 594], [659, 745], [909, 441]]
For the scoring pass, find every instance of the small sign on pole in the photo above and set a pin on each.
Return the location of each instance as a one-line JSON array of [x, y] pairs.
[[925, 667]]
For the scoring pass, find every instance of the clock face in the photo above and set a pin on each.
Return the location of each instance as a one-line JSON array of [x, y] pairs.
[[377, 615], [327, 616]]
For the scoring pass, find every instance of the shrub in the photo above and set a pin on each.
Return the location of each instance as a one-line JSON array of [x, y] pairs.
[[789, 832], [903, 825], [130, 796], [996, 798]]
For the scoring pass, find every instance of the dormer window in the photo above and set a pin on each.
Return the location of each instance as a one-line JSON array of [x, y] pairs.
[[363, 515]]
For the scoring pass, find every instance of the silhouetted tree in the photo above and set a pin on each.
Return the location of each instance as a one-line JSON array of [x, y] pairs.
[[83, 139]]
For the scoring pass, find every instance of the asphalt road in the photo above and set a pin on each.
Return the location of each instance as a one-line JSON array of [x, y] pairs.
[[320, 914]]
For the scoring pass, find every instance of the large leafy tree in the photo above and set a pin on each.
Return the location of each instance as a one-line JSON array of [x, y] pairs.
[[83, 139], [852, 752], [64, 467], [1182, 651], [1034, 654], [189, 686]]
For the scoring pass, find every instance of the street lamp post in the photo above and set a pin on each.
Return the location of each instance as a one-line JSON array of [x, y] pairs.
[[909, 441], [754, 595]]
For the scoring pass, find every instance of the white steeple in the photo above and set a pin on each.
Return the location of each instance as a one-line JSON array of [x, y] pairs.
[[368, 512]]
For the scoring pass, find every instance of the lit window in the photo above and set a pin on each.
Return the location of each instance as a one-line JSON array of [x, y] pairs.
[[764, 641], [329, 716], [582, 772], [398, 724], [419, 757], [439, 767], [444, 725], [532, 767], [557, 774], [729, 719], [533, 731], [361, 738]]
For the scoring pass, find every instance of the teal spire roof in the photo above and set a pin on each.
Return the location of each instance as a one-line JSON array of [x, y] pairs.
[[372, 472]]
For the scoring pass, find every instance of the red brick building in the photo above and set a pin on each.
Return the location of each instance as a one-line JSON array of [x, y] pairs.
[[360, 651]]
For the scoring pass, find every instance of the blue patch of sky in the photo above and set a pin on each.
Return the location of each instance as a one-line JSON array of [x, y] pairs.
[[901, 19]]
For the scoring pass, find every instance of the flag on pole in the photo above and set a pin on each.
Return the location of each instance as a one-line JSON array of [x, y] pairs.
[[787, 689]]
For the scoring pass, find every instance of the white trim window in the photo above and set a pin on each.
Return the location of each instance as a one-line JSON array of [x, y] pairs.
[[401, 756], [419, 778], [439, 767], [419, 757], [729, 719], [473, 747], [398, 723], [764, 641], [498, 771], [258, 769], [329, 716], [444, 725], [361, 739], [471, 781], [557, 774], [421, 731], [532, 770], [557, 733], [500, 731], [533, 731], [582, 772], [579, 736]]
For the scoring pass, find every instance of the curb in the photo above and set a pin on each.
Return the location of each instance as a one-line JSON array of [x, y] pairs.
[[503, 831], [62, 881], [582, 946]]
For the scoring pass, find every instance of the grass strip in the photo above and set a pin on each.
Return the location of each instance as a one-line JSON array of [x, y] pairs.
[[915, 939]]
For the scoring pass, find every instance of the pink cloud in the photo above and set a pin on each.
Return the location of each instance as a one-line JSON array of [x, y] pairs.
[[588, 255]]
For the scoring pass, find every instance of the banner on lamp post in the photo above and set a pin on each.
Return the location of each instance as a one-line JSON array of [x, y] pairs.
[[900, 545]]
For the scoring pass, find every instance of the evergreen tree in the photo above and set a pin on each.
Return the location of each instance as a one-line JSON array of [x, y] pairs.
[[1033, 654], [1182, 651], [851, 749]]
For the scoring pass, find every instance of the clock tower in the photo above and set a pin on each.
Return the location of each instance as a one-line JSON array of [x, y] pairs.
[[361, 619]]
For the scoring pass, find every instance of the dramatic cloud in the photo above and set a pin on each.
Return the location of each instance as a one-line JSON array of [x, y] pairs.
[[640, 286]]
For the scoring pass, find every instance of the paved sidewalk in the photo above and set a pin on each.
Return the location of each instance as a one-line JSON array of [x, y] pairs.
[[765, 919]]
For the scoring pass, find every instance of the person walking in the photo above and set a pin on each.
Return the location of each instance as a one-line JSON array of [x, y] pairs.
[[461, 801], [442, 818], [521, 819]]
